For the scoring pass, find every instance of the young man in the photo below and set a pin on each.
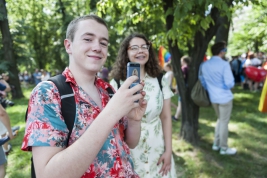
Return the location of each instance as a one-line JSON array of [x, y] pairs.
[[217, 78], [104, 128]]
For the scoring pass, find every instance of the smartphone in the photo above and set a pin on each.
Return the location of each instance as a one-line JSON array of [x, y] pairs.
[[133, 68]]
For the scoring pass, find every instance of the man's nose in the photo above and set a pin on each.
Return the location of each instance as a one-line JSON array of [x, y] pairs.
[[96, 47]]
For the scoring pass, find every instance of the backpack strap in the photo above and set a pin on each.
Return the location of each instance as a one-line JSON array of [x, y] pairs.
[[110, 92], [159, 80], [68, 105], [118, 83]]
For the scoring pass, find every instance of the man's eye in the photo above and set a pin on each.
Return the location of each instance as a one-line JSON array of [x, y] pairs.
[[104, 44], [87, 39]]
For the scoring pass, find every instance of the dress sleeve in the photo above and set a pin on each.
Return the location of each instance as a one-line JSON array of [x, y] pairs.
[[166, 90], [45, 125]]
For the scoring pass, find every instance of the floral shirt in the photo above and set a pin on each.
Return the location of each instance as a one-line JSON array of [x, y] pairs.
[[46, 127]]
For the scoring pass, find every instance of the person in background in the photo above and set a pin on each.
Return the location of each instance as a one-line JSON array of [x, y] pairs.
[[235, 64], [153, 154], [217, 78], [185, 60], [169, 73], [45, 75], [37, 76], [26, 78], [104, 129], [242, 70], [104, 74], [255, 62]]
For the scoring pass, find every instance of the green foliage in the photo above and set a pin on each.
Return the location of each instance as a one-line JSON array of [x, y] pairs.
[[145, 17], [251, 33], [38, 29], [141, 16]]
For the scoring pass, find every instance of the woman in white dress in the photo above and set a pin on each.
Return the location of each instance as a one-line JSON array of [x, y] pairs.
[[153, 155]]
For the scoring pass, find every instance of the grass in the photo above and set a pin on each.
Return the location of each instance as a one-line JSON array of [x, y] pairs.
[[247, 132]]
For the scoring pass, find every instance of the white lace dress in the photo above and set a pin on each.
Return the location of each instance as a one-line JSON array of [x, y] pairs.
[[151, 143]]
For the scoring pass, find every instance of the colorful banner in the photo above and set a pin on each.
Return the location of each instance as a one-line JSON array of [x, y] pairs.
[[263, 99], [164, 56]]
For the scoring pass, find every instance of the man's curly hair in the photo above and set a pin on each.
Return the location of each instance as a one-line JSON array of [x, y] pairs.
[[119, 71]]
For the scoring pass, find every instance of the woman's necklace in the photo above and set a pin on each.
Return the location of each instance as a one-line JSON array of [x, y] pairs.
[[142, 79]]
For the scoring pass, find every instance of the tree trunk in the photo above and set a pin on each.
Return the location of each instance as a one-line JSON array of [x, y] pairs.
[[223, 31], [190, 111], [8, 51], [60, 63]]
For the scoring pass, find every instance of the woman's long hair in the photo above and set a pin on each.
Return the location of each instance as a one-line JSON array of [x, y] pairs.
[[119, 71]]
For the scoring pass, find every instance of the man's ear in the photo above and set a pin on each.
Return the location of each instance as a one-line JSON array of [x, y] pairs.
[[67, 44]]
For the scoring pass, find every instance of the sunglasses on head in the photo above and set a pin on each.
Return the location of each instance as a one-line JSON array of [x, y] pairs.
[[224, 50]]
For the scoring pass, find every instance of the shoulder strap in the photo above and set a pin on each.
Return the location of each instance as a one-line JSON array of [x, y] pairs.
[[159, 80], [118, 83], [68, 106], [110, 92]]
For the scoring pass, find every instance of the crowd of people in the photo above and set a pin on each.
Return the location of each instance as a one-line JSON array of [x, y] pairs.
[[115, 136], [36, 77], [239, 65]]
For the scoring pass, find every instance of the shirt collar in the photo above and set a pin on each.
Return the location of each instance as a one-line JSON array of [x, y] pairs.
[[98, 81]]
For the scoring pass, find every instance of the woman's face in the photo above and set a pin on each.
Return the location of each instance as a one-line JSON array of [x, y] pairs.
[[138, 51]]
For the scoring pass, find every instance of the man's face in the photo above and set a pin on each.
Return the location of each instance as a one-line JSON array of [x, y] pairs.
[[89, 48]]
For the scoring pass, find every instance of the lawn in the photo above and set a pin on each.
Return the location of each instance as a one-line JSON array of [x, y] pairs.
[[247, 133]]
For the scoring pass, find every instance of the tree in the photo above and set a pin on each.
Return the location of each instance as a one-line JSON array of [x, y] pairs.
[[203, 20], [190, 26], [8, 50]]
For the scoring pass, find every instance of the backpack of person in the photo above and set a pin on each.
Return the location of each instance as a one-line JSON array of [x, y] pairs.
[[68, 106], [199, 95]]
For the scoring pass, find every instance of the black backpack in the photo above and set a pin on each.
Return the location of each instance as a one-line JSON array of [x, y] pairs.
[[158, 77], [68, 106]]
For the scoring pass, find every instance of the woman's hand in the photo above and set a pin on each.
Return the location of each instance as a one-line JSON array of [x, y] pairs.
[[165, 159]]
